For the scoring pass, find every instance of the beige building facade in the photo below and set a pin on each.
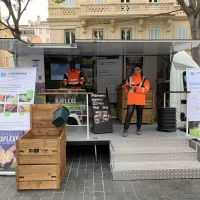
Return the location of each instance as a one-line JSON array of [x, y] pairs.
[[117, 19], [5, 56], [36, 31]]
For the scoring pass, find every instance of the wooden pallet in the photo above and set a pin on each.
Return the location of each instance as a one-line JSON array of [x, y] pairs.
[[41, 152]]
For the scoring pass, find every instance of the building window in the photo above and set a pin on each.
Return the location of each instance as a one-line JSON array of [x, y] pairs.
[[47, 31], [154, 1], [47, 40], [69, 3], [182, 33], [125, 1], [98, 1], [126, 34], [154, 33], [40, 31], [97, 34], [70, 36]]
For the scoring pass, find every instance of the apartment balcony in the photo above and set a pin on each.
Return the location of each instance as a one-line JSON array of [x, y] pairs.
[[126, 9], [88, 11], [58, 12]]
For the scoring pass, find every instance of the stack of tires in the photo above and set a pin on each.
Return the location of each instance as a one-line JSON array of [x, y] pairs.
[[167, 119]]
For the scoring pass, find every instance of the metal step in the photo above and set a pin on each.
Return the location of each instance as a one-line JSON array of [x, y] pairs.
[[153, 159], [155, 142], [139, 154], [156, 170]]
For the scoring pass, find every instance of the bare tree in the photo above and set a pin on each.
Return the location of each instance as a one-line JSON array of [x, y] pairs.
[[15, 9], [192, 10]]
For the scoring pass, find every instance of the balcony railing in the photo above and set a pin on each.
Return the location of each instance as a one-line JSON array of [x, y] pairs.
[[109, 10], [64, 12], [126, 9]]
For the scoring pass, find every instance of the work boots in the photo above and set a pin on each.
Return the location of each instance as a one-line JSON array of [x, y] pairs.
[[138, 131], [125, 133]]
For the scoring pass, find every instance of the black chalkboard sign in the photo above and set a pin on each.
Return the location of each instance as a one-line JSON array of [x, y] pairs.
[[102, 119]]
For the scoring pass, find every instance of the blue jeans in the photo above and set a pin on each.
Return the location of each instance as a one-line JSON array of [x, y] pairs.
[[130, 111]]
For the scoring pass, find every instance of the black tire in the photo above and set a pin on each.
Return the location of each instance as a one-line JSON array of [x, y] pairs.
[[167, 121], [71, 121], [167, 109], [167, 130]]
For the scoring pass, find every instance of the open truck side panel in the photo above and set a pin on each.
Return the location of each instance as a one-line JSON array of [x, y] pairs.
[[180, 62]]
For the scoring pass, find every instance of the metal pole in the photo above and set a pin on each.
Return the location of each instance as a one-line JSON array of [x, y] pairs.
[[6, 173], [164, 99], [95, 151], [187, 118], [88, 123]]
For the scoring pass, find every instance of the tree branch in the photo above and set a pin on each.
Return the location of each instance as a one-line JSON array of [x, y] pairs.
[[185, 8], [192, 4], [197, 11], [19, 10], [10, 9], [4, 24], [28, 1], [7, 20]]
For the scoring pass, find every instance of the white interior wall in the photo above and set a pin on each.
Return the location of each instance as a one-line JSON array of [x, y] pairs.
[[37, 61], [33, 60]]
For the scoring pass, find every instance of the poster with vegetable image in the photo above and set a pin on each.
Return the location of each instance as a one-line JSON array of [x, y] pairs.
[[17, 91], [8, 149]]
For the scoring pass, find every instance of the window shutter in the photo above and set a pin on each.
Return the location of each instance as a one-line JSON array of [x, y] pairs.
[[70, 3], [98, 1], [181, 33], [154, 33], [185, 33]]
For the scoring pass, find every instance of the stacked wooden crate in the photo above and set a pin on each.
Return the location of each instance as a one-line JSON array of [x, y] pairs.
[[41, 152], [148, 113]]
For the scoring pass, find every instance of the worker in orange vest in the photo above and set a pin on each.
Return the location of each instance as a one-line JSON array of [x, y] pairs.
[[73, 78], [136, 86]]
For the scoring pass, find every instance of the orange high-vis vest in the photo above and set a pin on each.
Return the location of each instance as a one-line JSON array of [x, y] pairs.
[[73, 77], [141, 84]]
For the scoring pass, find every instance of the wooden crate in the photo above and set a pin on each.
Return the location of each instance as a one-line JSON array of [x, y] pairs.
[[147, 118], [148, 114], [41, 152]]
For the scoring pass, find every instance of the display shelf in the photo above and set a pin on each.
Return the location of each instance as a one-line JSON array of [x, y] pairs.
[[83, 107]]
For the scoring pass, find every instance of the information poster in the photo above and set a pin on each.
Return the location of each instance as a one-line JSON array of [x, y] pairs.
[[109, 75], [17, 91], [102, 119], [193, 85]]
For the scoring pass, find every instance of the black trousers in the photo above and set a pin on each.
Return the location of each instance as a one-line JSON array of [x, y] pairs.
[[130, 111]]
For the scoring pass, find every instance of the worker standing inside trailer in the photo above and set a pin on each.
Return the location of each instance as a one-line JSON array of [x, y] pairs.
[[137, 86], [73, 78]]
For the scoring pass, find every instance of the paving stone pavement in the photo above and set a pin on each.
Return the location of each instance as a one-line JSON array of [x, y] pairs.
[[86, 179]]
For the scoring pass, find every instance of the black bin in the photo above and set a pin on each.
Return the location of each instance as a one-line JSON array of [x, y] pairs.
[[167, 119]]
